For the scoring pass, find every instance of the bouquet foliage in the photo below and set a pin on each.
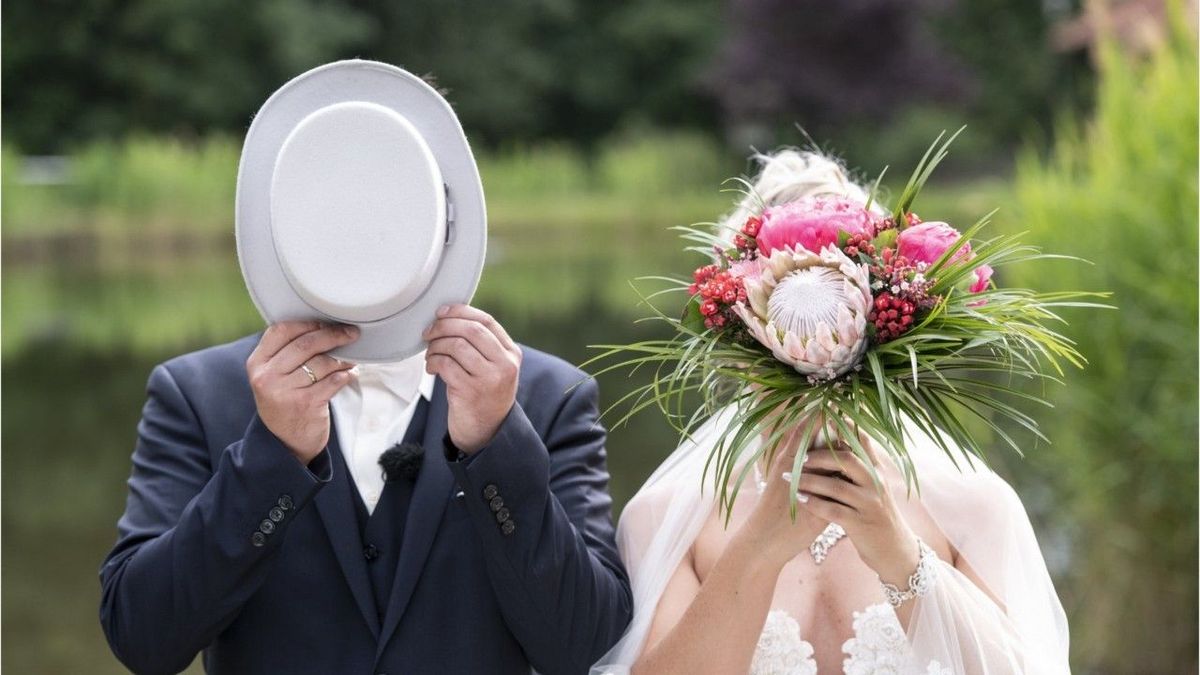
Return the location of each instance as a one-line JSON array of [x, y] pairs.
[[827, 308]]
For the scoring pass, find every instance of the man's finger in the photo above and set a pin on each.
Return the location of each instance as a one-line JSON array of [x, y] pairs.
[[446, 368], [278, 335], [325, 388], [310, 344], [322, 366], [476, 314], [484, 340], [462, 351]]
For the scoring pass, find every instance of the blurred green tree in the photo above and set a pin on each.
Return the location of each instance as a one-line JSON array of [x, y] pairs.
[[562, 69], [1122, 192], [74, 71], [1020, 81], [570, 69]]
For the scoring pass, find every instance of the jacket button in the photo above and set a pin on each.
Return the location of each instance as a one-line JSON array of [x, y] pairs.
[[285, 502], [502, 514], [258, 539], [275, 514], [496, 503], [370, 552], [490, 491], [266, 526], [508, 527]]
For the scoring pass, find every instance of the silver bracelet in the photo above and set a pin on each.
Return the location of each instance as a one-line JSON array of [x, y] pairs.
[[919, 583]]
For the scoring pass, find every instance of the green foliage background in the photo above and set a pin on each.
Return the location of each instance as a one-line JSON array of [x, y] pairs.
[[1120, 190]]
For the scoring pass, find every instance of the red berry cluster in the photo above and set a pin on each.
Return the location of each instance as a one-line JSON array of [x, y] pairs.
[[719, 291], [859, 243], [891, 315], [744, 241], [889, 266]]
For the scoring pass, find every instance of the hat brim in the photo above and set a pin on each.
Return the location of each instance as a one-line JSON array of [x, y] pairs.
[[398, 336]]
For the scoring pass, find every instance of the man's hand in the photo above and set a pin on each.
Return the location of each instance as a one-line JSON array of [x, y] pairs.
[[290, 403], [479, 363]]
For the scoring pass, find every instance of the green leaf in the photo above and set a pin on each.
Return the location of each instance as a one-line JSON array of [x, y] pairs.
[[692, 319], [886, 239]]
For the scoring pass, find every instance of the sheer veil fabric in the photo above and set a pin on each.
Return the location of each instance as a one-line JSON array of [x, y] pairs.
[[957, 625]]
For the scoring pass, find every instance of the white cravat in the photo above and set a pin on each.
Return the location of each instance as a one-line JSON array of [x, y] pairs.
[[372, 413]]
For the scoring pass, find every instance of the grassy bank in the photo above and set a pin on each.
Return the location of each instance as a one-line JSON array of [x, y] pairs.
[[131, 244]]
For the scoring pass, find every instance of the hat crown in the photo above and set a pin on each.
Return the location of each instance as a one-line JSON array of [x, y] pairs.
[[358, 212]]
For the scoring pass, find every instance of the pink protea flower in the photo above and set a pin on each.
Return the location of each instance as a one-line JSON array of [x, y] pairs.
[[746, 268], [812, 223], [926, 242], [810, 309]]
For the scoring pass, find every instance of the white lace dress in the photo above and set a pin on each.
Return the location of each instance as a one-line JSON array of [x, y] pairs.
[[879, 647]]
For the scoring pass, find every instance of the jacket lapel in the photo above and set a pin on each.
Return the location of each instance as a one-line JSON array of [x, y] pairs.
[[337, 513], [429, 498]]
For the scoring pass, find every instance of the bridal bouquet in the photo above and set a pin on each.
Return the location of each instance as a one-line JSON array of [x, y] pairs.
[[835, 309]]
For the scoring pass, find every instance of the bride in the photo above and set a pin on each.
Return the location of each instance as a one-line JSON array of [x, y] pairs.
[[947, 579]]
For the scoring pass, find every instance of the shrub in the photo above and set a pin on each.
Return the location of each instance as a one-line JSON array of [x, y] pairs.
[[1122, 192]]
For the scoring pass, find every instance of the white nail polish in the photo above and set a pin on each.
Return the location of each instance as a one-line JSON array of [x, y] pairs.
[[804, 461], [801, 497], [787, 476]]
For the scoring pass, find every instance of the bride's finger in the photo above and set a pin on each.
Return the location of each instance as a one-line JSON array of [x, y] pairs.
[[833, 489], [829, 511], [788, 448], [846, 463], [870, 447]]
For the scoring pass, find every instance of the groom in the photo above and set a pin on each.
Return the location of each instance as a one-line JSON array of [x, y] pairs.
[[480, 542]]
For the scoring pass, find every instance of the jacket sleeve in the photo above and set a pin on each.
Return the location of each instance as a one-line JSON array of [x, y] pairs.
[[543, 513], [195, 542]]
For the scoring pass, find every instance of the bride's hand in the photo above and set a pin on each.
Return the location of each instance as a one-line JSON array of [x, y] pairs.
[[770, 525], [837, 487]]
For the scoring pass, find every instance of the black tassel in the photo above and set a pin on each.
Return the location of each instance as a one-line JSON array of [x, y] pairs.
[[402, 462]]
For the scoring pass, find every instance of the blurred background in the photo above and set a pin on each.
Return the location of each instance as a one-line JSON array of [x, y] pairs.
[[597, 126]]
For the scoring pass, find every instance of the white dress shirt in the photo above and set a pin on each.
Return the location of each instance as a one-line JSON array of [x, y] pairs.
[[371, 414]]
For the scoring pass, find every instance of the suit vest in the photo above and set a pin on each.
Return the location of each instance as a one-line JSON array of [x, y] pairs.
[[381, 532]]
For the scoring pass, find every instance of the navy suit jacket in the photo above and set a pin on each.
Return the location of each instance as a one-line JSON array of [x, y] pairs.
[[469, 595]]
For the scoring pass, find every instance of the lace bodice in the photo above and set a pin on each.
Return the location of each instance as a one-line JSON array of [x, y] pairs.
[[879, 647]]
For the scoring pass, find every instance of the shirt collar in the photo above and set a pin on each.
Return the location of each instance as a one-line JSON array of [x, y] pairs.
[[405, 378]]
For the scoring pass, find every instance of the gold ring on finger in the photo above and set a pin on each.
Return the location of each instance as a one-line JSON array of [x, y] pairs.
[[309, 371]]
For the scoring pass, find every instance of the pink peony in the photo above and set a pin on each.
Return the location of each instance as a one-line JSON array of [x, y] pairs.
[[927, 242], [983, 274], [812, 223]]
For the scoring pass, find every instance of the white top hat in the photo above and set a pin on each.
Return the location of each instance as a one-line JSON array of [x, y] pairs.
[[358, 201]]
